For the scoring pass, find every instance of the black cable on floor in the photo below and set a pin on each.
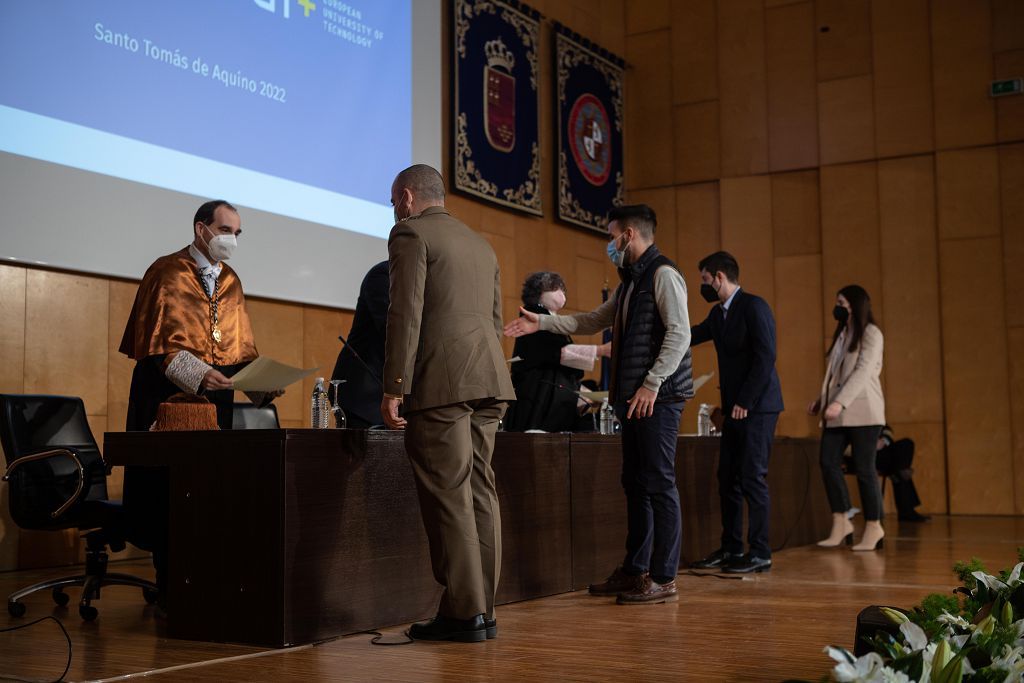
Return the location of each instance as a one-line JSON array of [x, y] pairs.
[[67, 636], [377, 635], [690, 572]]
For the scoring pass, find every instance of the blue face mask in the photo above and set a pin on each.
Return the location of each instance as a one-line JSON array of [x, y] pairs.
[[618, 258]]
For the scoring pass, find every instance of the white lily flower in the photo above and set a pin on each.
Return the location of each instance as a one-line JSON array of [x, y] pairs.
[[951, 620], [1014, 577], [914, 635], [893, 676], [992, 582], [1009, 657], [866, 669]]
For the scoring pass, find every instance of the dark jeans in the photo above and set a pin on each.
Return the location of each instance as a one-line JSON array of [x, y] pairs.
[[863, 442], [654, 521], [743, 476]]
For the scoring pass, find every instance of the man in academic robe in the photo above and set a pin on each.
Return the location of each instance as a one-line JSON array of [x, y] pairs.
[[188, 332]]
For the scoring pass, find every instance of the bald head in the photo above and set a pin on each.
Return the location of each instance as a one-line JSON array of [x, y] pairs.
[[416, 188]]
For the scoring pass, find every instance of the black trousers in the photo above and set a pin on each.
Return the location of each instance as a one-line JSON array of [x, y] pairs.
[[863, 442], [654, 533], [746, 446]]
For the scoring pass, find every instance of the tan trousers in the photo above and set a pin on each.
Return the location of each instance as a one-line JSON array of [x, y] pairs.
[[450, 449]]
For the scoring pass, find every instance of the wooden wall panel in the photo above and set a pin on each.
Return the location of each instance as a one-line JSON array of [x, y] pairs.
[[968, 193], [929, 463], [119, 366], [1011, 195], [1010, 110], [910, 285], [798, 324], [1007, 25], [643, 16], [902, 77], [663, 201], [977, 396], [792, 94], [13, 282], [1015, 342], [694, 51], [961, 71], [277, 328], [796, 221], [696, 142], [843, 38], [698, 234], [850, 248], [648, 119], [747, 231], [66, 337], [742, 87], [846, 120]]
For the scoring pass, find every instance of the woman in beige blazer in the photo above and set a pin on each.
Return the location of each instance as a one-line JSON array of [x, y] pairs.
[[853, 412]]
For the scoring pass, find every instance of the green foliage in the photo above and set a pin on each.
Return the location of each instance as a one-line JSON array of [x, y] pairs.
[[931, 608], [963, 570], [1020, 554]]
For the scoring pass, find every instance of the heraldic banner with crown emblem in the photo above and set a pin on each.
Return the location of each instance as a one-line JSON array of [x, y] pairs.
[[496, 109], [589, 101]]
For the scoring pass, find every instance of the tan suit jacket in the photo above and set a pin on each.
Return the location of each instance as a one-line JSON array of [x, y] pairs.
[[444, 322], [852, 380]]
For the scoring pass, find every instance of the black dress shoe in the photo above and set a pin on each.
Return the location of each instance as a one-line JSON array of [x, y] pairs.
[[492, 628], [446, 628], [913, 516], [716, 560], [749, 564]]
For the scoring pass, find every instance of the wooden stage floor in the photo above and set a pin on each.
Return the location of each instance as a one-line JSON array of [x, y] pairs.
[[768, 628]]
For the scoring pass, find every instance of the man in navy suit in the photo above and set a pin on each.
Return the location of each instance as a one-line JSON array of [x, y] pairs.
[[743, 329]]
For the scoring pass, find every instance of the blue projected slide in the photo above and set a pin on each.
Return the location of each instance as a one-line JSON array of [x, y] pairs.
[[297, 107]]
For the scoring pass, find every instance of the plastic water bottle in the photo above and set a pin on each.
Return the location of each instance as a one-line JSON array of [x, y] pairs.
[[704, 420], [320, 408], [607, 423]]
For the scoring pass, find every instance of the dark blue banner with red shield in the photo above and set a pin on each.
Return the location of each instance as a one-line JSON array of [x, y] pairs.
[[496, 108], [590, 104]]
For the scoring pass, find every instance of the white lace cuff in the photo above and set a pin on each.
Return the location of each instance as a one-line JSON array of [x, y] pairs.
[[187, 371], [579, 356]]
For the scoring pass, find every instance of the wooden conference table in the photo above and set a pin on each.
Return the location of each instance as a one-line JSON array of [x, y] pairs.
[[289, 536]]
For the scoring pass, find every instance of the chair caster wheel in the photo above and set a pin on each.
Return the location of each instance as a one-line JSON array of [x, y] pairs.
[[150, 595], [88, 612], [60, 597], [16, 609]]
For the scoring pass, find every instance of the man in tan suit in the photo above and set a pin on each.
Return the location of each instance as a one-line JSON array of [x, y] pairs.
[[444, 363]]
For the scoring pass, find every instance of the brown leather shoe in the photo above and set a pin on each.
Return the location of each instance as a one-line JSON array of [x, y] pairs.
[[618, 582], [649, 593]]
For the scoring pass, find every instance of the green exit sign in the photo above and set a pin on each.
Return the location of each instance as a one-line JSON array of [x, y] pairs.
[[1009, 86]]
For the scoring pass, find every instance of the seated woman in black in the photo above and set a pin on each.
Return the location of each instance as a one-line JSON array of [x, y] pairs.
[[550, 366]]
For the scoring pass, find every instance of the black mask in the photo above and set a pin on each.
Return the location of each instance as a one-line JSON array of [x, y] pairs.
[[709, 293], [840, 313]]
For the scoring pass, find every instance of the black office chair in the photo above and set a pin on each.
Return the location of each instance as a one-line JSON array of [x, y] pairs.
[[249, 416], [57, 480]]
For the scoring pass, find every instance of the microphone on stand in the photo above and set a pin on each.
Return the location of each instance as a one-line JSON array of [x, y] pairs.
[[361, 361]]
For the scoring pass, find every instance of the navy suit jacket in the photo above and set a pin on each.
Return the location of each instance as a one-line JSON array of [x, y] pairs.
[[745, 344]]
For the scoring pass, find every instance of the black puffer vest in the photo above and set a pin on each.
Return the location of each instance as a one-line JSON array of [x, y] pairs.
[[642, 335]]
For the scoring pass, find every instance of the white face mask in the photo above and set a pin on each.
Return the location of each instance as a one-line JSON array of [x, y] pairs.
[[221, 246], [553, 301]]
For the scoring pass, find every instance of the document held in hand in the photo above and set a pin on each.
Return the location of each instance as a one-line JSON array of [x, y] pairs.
[[266, 374]]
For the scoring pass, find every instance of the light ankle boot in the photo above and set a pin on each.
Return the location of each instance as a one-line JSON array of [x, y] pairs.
[[872, 538], [842, 531]]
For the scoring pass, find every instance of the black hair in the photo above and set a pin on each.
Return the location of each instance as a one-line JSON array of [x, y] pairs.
[[205, 212], [538, 283], [423, 181], [721, 262], [640, 217], [860, 312]]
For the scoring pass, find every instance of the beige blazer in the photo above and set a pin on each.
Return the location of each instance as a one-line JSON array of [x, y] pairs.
[[852, 380], [444, 321]]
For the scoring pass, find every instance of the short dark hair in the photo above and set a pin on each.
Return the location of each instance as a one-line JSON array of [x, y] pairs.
[[205, 212], [423, 181], [721, 262], [640, 217], [538, 283]]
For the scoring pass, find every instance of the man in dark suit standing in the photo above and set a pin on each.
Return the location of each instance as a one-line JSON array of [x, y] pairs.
[[361, 361], [444, 364], [743, 329]]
